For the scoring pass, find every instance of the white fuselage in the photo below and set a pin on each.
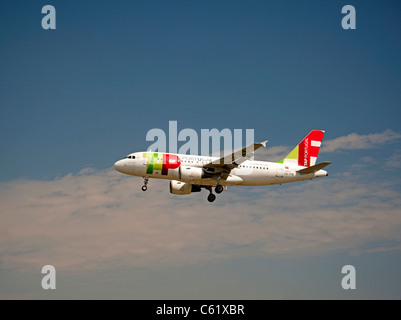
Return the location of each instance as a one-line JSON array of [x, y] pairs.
[[248, 173]]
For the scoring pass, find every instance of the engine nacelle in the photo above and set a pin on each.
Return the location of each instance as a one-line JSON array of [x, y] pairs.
[[181, 188], [191, 173]]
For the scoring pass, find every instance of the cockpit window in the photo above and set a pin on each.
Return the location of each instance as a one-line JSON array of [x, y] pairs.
[[130, 157]]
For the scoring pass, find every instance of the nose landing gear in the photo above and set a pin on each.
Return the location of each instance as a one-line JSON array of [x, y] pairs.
[[145, 183]]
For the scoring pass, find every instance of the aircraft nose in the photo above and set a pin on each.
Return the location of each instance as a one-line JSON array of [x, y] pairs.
[[119, 165]]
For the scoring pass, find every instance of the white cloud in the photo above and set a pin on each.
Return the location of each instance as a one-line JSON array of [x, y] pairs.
[[356, 141], [352, 141], [394, 162], [384, 249], [101, 219], [273, 154]]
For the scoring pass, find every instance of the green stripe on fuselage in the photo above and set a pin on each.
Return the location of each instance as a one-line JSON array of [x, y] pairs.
[[153, 163]]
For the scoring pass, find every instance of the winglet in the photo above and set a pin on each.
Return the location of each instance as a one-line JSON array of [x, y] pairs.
[[264, 143]]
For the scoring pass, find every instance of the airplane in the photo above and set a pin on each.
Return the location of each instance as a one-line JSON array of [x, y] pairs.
[[191, 173]]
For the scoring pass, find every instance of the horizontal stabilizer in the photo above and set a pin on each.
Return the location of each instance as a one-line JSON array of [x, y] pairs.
[[314, 168]]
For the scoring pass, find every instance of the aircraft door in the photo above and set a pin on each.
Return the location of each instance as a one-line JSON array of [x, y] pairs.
[[279, 171]]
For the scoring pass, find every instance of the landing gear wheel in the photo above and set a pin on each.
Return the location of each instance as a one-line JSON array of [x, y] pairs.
[[211, 197], [219, 188], [145, 183]]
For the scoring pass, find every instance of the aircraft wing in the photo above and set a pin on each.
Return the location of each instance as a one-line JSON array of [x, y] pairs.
[[233, 160]]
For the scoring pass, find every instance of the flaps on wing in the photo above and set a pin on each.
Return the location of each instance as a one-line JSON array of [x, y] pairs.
[[234, 159], [314, 168]]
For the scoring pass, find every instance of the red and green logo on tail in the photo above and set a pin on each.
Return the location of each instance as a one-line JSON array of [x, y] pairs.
[[305, 154]]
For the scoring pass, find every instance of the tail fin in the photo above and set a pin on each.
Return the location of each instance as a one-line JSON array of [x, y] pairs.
[[305, 154]]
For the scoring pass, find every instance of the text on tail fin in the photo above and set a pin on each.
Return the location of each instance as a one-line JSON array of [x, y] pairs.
[[305, 153]]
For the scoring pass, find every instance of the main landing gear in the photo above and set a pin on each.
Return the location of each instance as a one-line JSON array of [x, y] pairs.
[[219, 189], [211, 197], [145, 183]]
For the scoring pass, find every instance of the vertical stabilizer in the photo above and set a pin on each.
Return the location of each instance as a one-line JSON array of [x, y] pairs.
[[306, 152]]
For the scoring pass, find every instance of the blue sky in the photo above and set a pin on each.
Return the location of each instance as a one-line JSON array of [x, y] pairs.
[[76, 99]]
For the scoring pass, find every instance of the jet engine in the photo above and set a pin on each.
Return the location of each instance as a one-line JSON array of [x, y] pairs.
[[187, 173], [181, 188]]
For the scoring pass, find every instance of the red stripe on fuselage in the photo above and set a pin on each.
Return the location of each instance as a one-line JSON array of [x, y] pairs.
[[170, 161]]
